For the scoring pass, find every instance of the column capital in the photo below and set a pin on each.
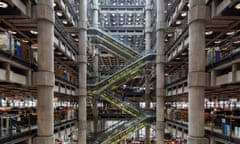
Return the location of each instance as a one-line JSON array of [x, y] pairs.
[[44, 140], [197, 140], [148, 30], [45, 12], [197, 79], [197, 13], [82, 59], [160, 59], [82, 25], [45, 78]]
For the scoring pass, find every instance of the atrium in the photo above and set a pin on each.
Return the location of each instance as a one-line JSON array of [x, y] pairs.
[[119, 71]]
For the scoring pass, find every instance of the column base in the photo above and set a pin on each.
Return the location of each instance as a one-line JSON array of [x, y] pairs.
[[44, 140], [197, 140]]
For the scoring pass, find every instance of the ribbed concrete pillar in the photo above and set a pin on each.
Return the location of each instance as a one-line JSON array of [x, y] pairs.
[[95, 12], [95, 63], [82, 59], [147, 50], [96, 78], [45, 74], [148, 30], [234, 72], [147, 101], [160, 60], [197, 75]]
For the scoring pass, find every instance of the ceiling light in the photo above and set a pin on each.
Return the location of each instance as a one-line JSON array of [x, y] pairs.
[[65, 22], [33, 32], [208, 32], [169, 4], [106, 23], [237, 6], [217, 41], [76, 39], [25, 41], [178, 22], [230, 33], [237, 42], [178, 58], [184, 14], [12, 32], [73, 34], [54, 4], [113, 14], [3, 5], [166, 40], [59, 14], [170, 35]]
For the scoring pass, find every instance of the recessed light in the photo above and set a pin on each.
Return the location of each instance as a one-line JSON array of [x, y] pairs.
[[65, 22], [170, 35], [184, 14], [230, 33], [178, 22], [208, 32], [12, 32], [217, 41], [3, 5], [237, 42], [178, 58], [59, 14], [237, 6], [33, 32], [25, 41]]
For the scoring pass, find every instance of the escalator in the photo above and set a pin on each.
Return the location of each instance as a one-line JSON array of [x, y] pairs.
[[121, 131], [112, 44], [117, 79], [125, 74]]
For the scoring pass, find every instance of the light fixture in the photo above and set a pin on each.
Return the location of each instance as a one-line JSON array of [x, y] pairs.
[[184, 14], [208, 32], [12, 32], [73, 34], [33, 32], [217, 41], [65, 22], [76, 39], [170, 35], [237, 42], [25, 41], [230, 33], [59, 14], [166, 40], [178, 22], [237, 6], [3, 5]]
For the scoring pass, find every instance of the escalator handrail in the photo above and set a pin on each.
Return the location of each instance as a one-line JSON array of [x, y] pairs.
[[114, 39], [103, 82]]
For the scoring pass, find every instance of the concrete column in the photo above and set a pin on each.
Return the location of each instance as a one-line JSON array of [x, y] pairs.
[[147, 101], [212, 140], [28, 141], [160, 60], [197, 75], [95, 12], [213, 78], [148, 29], [45, 75], [234, 73], [82, 59], [95, 63]]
